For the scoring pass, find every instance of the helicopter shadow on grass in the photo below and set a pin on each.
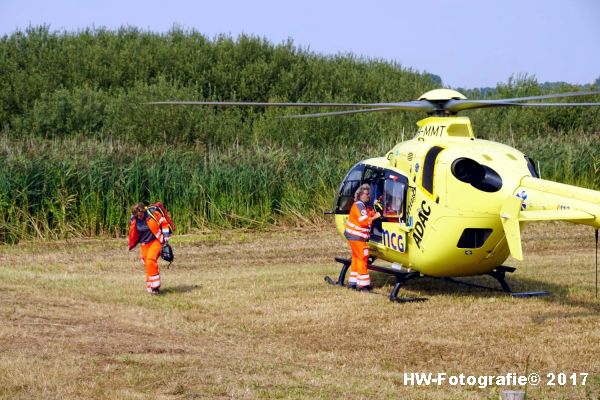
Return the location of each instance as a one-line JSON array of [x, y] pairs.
[[179, 289], [431, 287]]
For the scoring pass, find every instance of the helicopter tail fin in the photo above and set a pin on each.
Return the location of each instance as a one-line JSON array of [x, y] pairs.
[[509, 215]]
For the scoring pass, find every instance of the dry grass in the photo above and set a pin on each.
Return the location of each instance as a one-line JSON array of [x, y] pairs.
[[248, 316]]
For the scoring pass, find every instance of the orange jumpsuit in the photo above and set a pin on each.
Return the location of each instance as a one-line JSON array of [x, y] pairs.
[[358, 228], [152, 232]]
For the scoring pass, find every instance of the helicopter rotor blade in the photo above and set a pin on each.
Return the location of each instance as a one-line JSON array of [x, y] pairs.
[[334, 113], [556, 104], [432, 106], [259, 104], [554, 96], [457, 105], [417, 105]]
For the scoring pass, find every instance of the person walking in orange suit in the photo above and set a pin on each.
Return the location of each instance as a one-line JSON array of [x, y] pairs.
[[149, 227], [358, 229]]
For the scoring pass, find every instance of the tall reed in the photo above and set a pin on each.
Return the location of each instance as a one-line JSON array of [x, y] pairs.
[[48, 192]]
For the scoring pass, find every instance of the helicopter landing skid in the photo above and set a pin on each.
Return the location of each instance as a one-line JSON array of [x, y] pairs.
[[401, 278], [499, 273], [332, 282]]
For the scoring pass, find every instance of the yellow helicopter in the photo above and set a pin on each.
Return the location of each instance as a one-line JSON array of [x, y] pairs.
[[452, 205]]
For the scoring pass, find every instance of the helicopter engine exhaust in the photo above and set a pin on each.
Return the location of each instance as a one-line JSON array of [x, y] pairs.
[[477, 175]]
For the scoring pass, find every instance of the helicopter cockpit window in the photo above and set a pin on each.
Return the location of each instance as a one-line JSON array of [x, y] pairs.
[[346, 192], [393, 200]]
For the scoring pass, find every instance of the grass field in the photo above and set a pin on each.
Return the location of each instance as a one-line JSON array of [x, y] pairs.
[[248, 316]]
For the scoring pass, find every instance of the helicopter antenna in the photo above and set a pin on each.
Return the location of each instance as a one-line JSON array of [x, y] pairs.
[[539, 169]]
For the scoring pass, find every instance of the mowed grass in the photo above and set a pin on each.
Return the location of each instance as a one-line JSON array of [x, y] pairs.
[[247, 315]]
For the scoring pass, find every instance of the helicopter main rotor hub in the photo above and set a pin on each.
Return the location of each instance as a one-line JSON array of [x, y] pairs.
[[439, 98]]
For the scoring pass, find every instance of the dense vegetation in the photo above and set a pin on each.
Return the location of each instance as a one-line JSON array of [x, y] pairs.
[[79, 144]]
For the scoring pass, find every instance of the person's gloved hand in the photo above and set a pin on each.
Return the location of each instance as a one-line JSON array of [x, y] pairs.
[[377, 206]]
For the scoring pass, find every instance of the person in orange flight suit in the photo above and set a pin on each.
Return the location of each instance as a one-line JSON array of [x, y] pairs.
[[150, 228], [358, 229]]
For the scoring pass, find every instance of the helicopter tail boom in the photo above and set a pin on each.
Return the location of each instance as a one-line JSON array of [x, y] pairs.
[[541, 200]]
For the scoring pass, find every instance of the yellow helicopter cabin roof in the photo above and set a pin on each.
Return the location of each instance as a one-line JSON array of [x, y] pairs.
[[440, 130], [444, 127]]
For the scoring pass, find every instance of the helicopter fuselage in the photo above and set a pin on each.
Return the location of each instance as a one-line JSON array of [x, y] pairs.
[[445, 195], [453, 205]]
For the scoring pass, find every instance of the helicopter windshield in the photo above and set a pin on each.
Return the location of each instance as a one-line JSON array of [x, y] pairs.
[[346, 192]]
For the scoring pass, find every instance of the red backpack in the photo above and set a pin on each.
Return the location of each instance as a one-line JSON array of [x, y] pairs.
[[158, 206]]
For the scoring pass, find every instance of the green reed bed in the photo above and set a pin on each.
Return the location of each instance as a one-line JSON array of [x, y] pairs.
[[65, 188], [75, 187]]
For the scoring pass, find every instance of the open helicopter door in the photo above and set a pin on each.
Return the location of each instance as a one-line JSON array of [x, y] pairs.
[[387, 186], [394, 197], [375, 178], [359, 174], [393, 222], [391, 194]]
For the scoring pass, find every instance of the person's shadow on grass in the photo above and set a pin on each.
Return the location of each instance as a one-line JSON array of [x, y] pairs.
[[179, 289]]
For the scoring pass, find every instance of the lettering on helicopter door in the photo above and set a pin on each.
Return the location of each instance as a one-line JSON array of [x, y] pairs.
[[411, 197], [393, 236], [421, 223]]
